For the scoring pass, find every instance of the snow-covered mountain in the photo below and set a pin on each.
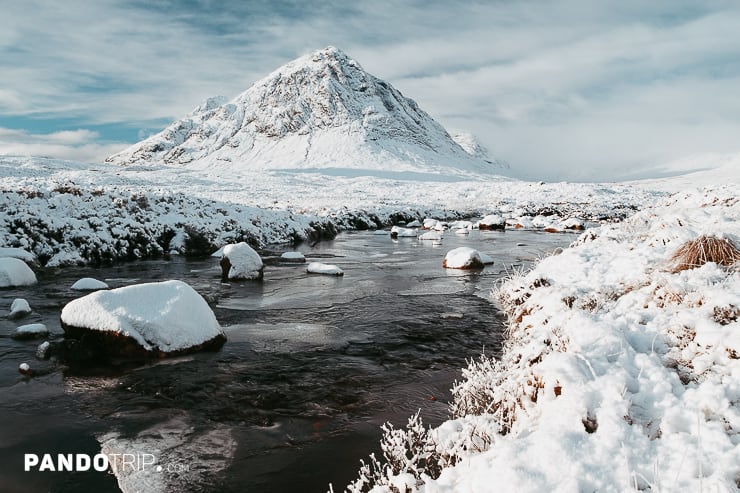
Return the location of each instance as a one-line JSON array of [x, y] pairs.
[[320, 111]]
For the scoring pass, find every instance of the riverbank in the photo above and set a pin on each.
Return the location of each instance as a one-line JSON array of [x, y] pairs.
[[70, 213], [620, 371]]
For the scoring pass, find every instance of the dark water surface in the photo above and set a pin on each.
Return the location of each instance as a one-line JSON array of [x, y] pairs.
[[313, 366]]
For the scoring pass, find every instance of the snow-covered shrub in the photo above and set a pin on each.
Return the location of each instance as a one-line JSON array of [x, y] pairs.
[[410, 456]]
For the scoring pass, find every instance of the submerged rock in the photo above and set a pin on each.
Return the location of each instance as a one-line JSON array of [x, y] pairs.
[[145, 320]]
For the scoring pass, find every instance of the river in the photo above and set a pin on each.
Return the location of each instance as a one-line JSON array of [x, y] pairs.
[[312, 367]]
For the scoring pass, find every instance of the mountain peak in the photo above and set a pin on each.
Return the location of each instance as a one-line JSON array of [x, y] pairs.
[[321, 110]]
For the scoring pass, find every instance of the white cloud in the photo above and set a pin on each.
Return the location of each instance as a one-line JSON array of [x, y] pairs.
[[79, 145]]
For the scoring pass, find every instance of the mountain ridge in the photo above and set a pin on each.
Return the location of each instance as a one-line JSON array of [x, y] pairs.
[[321, 110]]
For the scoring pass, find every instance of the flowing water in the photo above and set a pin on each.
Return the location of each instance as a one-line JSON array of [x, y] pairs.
[[312, 367]]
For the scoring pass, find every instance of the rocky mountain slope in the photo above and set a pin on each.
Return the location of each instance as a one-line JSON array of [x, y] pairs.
[[320, 111]]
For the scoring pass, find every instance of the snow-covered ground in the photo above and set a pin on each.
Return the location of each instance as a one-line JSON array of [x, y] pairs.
[[620, 372], [68, 212]]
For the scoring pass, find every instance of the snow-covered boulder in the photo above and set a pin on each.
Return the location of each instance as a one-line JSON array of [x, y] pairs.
[[429, 223], [399, 232], [239, 261], [522, 222], [20, 254], [89, 284], [327, 269], [19, 308], [297, 257], [540, 221], [15, 272], [574, 223], [492, 222], [31, 331], [25, 369], [461, 225], [431, 235], [463, 258], [414, 224], [153, 319], [462, 232]]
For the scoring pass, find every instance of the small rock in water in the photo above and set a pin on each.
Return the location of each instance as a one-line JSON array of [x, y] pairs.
[[24, 369], [19, 308], [30, 331], [326, 269], [453, 315], [42, 352], [462, 258], [89, 284], [297, 257]]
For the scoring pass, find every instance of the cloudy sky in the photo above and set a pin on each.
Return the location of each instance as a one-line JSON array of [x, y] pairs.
[[566, 89]]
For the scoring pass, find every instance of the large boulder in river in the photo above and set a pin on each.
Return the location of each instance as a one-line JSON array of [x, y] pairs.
[[15, 272], [239, 261], [492, 222], [151, 320], [463, 258]]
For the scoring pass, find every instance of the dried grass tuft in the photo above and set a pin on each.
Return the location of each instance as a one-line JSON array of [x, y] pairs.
[[697, 252]]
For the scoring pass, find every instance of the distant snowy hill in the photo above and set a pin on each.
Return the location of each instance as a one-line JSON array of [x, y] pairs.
[[320, 111], [694, 171]]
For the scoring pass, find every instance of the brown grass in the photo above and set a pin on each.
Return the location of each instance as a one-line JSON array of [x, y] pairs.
[[703, 249]]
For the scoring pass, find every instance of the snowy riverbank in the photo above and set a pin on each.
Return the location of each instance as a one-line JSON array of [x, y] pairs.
[[67, 212], [620, 372]]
